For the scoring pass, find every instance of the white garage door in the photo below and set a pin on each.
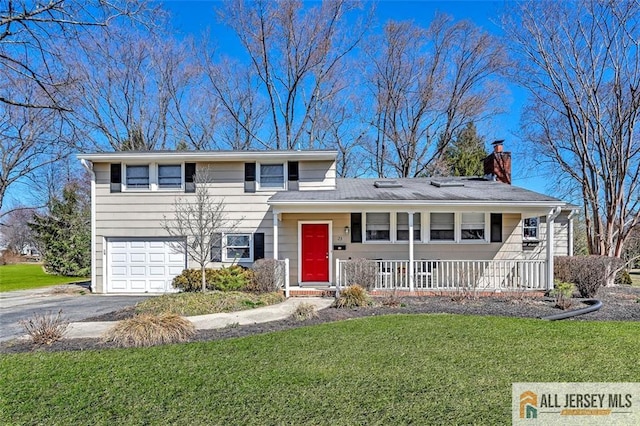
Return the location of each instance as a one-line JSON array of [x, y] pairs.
[[143, 265]]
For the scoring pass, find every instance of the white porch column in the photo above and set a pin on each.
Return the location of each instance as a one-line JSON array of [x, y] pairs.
[[275, 234], [411, 271], [551, 217]]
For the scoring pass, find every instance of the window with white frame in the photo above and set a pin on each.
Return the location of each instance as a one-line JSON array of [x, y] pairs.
[[137, 176], [530, 228], [169, 176], [472, 226], [237, 247], [271, 176], [378, 226], [402, 226], [442, 227]]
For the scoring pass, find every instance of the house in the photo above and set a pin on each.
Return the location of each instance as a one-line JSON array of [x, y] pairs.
[[421, 233]]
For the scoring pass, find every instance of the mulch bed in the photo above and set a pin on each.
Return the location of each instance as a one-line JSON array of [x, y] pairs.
[[620, 303]]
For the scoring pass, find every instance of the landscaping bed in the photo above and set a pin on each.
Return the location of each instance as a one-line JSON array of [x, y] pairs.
[[620, 304]]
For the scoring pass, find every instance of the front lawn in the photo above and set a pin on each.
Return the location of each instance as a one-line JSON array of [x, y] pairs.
[[24, 276], [399, 369], [197, 303]]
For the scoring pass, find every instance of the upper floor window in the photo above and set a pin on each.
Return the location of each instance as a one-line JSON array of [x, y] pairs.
[[378, 227], [530, 228], [472, 226], [271, 176], [137, 176], [169, 176], [402, 227], [442, 226]]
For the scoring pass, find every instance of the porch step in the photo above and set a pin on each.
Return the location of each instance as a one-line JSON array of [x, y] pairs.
[[315, 292]]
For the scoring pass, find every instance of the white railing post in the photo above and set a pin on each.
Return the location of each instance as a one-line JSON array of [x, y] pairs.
[[338, 277], [287, 291]]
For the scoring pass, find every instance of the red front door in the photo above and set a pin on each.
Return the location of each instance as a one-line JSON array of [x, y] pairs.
[[315, 252]]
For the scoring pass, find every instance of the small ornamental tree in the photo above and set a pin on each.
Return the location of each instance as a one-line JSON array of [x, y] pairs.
[[199, 219]]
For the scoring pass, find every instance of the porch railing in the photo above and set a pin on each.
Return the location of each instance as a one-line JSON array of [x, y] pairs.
[[489, 275]]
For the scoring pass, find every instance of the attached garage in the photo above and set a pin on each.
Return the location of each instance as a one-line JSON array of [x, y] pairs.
[[143, 265]]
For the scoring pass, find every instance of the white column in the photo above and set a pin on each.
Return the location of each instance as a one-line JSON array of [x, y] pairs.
[[551, 216], [411, 271], [275, 234], [570, 232]]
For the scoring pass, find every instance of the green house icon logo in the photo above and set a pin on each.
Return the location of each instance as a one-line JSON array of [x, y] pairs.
[[528, 405]]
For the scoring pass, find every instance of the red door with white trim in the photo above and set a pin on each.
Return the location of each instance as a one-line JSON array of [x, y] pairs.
[[315, 252]]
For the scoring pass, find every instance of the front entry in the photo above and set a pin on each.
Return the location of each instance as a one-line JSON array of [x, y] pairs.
[[315, 252]]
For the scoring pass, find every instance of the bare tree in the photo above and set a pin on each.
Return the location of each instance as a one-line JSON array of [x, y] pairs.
[[425, 85], [295, 52], [34, 36], [580, 62], [126, 91], [199, 219], [17, 234], [31, 139]]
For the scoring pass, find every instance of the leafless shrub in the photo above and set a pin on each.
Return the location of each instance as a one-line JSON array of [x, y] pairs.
[[588, 273], [362, 272], [150, 330], [268, 275], [304, 311], [391, 299], [45, 329]]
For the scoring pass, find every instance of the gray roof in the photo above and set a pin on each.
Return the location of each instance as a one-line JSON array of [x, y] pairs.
[[418, 191]]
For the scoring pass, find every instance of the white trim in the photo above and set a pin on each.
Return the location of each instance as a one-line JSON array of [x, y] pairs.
[[207, 156], [340, 206], [329, 224], [125, 184], [551, 217], [157, 176], [88, 165], [392, 221]]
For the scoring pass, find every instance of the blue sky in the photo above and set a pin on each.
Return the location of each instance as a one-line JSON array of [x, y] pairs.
[[194, 17]]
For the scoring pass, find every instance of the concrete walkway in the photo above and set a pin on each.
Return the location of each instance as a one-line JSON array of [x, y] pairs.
[[202, 322]]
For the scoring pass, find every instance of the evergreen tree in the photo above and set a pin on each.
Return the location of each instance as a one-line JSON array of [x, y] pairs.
[[465, 155], [64, 234]]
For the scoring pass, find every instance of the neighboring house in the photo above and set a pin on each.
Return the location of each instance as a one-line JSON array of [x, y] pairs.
[[423, 233]]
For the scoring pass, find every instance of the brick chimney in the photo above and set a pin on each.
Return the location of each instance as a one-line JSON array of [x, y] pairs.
[[498, 164]]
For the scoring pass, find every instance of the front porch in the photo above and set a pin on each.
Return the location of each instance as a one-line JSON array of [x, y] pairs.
[[433, 277]]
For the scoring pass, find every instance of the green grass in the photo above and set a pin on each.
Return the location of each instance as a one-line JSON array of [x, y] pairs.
[[401, 369], [24, 276], [197, 303]]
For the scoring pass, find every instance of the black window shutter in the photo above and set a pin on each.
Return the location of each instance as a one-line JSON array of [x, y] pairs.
[[249, 172], [496, 227], [293, 171], [216, 247], [116, 177], [258, 245], [356, 227], [189, 177]]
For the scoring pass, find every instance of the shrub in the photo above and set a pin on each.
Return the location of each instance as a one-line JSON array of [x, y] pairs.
[[588, 273], [623, 277], [304, 311], [150, 330], [198, 303], [362, 272], [45, 329], [352, 297], [562, 292], [268, 275], [232, 278]]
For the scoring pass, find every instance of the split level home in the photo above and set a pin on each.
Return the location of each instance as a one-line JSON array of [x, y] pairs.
[[422, 234]]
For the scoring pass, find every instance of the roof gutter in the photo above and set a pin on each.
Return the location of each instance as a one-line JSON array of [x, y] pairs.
[[88, 165]]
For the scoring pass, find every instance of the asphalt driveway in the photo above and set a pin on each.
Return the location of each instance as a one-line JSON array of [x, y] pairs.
[[23, 304]]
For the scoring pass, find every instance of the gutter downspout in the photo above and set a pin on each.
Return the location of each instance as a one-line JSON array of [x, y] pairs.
[[570, 232], [551, 216], [88, 165]]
